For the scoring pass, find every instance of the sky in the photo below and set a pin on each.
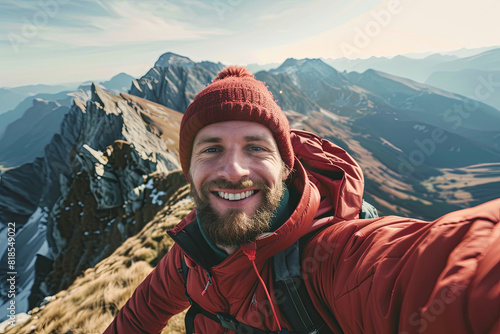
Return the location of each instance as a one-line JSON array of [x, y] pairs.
[[61, 41]]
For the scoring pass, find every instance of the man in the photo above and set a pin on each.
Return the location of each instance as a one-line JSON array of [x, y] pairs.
[[259, 187]]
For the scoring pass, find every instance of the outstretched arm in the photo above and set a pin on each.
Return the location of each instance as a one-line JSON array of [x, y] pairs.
[[397, 275], [156, 299]]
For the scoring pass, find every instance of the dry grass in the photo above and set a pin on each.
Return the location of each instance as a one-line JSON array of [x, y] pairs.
[[92, 301]]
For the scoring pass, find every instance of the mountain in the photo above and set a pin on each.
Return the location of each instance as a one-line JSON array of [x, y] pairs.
[[15, 101], [87, 194], [420, 69], [319, 82], [254, 68], [25, 138], [417, 69], [12, 96], [485, 61], [170, 58], [63, 98], [93, 210], [89, 304], [120, 83], [175, 80], [24, 132], [477, 84], [403, 133]]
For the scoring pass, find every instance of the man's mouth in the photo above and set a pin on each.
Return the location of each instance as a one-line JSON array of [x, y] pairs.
[[237, 196]]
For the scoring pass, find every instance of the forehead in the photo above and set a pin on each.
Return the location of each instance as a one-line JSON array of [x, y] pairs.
[[233, 130]]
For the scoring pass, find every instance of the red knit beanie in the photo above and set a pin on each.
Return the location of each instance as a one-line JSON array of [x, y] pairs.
[[234, 95]]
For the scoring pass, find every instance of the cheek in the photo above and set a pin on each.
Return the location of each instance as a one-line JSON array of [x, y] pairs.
[[199, 173], [272, 172]]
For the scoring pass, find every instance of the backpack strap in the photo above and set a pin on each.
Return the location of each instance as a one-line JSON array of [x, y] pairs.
[[290, 291]]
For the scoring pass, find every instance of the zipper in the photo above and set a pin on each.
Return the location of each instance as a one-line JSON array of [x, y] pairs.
[[210, 282]]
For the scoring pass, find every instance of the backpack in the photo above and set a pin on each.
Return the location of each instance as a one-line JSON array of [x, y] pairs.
[[295, 303]]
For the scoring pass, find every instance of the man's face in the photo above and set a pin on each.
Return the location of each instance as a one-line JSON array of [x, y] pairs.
[[236, 177]]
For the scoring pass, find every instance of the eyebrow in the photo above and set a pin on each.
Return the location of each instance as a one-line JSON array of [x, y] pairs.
[[216, 140], [206, 140]]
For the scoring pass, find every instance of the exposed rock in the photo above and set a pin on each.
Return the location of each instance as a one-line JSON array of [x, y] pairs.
[[170, 58], [94, 298], [174, 81], [90, 186], [18, 199]]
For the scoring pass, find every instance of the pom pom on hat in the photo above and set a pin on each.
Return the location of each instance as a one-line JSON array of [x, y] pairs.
[[234, 71], [234, 95]]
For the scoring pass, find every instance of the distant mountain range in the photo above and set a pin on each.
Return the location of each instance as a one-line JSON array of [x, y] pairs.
[[15, 124], [475, 76], [105, 162]]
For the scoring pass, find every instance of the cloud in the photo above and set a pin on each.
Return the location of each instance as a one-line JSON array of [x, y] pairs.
[[95, 23]]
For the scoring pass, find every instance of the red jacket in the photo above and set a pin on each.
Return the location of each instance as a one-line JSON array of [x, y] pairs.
[[381, 275]]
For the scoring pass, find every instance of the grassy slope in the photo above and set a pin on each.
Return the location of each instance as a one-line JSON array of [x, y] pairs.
[[91, 302]]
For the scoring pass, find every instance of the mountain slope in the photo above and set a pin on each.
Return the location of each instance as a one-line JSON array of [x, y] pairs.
[[86, 195], [90, 303], [477, 84], [420, 69], [107, 183], [174, 81], [403, 133], [25, 138]]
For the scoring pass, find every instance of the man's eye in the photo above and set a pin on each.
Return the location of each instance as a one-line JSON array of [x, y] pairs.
[[211, 150], [257, 148]]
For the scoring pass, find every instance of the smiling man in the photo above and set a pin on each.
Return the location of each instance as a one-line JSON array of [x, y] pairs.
[[276, 211], [236, 180]]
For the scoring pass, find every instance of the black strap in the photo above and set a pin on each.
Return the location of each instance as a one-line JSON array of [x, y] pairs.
[[225, 320], [290, 291]]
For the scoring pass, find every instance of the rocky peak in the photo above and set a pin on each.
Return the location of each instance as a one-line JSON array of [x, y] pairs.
[[120, 83], [170, 58], [85, 196], [306, 65], [175, 86]]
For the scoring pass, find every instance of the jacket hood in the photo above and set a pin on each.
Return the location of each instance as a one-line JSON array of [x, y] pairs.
[[329, 183]]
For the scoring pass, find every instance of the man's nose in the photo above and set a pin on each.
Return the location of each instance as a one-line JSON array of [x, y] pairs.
[[234, 167]]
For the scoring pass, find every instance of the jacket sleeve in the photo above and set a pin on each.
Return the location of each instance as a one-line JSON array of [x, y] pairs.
[[397, 275], [156, 299]]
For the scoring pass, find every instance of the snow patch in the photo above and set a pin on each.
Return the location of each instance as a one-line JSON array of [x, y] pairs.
[[155, 196]]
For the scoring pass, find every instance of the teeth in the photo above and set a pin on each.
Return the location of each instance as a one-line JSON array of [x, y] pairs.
[[235, 197]]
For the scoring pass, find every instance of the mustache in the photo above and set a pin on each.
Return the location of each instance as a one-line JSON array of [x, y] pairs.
[[201, 195], [240, 184]]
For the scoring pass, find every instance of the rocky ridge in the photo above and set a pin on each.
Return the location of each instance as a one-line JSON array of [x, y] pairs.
[[89, 304], [98, 185], [87, 194], [175, 80]]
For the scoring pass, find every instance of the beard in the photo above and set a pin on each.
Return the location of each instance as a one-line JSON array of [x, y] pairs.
[[235, 228]]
